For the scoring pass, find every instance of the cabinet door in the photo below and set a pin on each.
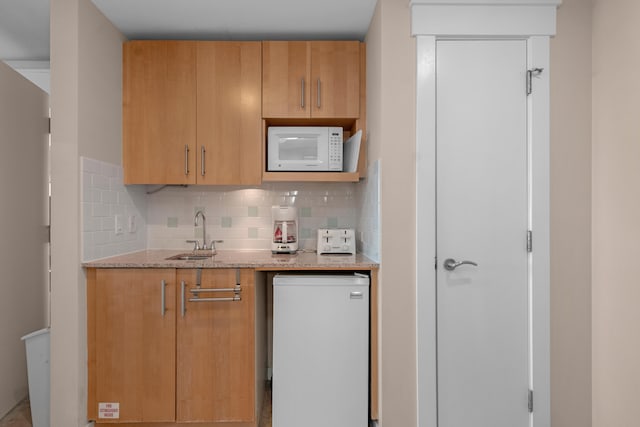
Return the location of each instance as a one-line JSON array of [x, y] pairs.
[[229, 121], [286, 79], [159, 112], [335, 79], [216, 344], [132, 343]]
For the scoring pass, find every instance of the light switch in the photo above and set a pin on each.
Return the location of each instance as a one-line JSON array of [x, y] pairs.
[[119, 224]]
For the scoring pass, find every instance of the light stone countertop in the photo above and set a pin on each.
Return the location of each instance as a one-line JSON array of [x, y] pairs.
[[256, 259]]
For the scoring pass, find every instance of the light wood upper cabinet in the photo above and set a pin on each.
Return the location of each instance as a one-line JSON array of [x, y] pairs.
[[229, 126], [159, 112], [132, 338], [286, 79], [192, 112], [216, 349], [313, 79], [335, 79]]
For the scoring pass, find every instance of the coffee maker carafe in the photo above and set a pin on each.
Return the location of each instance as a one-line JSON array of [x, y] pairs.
[[285, 229]]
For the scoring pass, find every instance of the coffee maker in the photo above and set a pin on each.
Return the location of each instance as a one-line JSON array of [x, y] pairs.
[[285, 230]]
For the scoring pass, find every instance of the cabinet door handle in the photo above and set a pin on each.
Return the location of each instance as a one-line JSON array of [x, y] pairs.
[[202, 153], [234, 298], [183, 307], [186, 159], [318, 94], [163, 297], [302, 93], [237, 289]]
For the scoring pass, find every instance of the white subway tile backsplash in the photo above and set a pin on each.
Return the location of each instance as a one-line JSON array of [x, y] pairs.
[[103, 196], [368, 219], [242, 216], [239, 216]]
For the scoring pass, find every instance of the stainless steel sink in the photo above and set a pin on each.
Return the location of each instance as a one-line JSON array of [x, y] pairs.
[[190, 257]]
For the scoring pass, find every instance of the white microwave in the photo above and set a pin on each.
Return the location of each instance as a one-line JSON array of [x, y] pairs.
[[293, 148]]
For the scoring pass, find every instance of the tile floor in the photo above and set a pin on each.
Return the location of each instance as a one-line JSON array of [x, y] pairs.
[[20, 416]]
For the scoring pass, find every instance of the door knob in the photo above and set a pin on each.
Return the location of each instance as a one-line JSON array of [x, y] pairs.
[[450, 264]]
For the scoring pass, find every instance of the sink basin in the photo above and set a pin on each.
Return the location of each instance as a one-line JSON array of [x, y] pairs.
[[190, 257]]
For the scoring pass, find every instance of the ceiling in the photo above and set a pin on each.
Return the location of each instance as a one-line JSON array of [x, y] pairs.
[[24, 24], [24, 30]]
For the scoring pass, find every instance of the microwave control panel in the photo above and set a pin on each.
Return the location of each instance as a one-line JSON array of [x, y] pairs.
[[335, 149]]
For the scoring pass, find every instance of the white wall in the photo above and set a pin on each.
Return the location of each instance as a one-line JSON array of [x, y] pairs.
[[86, 120], [616, 211], [23, 217]]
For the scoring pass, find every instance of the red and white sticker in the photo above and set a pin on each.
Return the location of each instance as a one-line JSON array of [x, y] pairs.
[[109, 410]]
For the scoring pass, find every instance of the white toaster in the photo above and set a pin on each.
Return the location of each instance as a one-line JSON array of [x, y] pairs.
[[336, 241]]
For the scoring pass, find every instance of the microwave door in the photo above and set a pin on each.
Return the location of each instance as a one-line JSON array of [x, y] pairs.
[[300, 152]]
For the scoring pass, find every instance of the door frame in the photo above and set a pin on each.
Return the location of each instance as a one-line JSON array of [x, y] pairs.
[[534, 21]]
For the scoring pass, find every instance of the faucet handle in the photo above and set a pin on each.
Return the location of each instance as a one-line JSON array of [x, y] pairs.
[[212, 245], [196, 244]]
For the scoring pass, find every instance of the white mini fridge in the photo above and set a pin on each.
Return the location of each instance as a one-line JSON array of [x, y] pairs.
[[320, 350]]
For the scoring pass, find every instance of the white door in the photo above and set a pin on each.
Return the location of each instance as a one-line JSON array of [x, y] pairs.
[[482, 216]]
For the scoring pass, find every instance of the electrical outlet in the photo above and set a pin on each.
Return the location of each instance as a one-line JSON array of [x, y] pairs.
[[132, 223], [119, 229]]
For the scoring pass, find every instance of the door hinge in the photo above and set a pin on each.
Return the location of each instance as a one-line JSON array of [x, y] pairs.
[[534, 72], [529, 241], [530, 403]]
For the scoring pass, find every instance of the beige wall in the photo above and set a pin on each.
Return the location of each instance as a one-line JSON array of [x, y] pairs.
[[100, 78], [391, 81], [85, 121], [81, 82], [23, 217], [391, 118], [616, 212], [571, 216]]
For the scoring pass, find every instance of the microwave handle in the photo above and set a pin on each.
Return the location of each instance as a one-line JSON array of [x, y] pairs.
[[302, 93]]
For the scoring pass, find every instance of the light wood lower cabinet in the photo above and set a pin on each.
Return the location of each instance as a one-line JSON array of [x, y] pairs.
[[132, 342], [215, 351], [167, 360]]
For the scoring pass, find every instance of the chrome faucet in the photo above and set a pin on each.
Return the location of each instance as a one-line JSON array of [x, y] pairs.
[[204, 229]]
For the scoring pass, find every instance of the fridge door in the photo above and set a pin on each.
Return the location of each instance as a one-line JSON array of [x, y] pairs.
[[320, 351]]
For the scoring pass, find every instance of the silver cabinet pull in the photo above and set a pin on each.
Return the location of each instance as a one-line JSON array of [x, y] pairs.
[[202, 153], [163, 297], [229, 299], [186, 159], [318, 94], [237, 289], [450, 264], [183, 307], [302, 93]]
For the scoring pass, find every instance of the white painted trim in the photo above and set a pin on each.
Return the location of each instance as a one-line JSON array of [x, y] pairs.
[[540, 140], [538, 51], [426, 231], [478, 18]]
